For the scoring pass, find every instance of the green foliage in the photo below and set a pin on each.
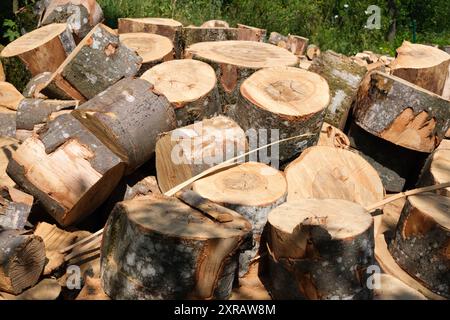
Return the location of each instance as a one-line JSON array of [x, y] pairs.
[[11, 30]]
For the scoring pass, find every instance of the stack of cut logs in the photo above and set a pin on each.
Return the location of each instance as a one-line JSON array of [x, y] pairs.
[[162, 161]]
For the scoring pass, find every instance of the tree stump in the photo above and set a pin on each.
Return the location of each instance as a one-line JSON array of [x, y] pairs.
[[7, 122], [43, 49], [152, 48], [157, 247], [215, 24], [15, 206], [185, 152], [250, 33], [22, 258], [425, 66], [437, 170], [128, 117], [330, 173], [289, 100], [9, 96], [312, 52], [343, 76], [333, 137], [80, 15], [193, 35], [67, 169], [402, 113], [165, 27], [99, 61], [297, 45], [234, 61], [32, 112], [421, 243], [189, 85], [320, 249], [251, 189]]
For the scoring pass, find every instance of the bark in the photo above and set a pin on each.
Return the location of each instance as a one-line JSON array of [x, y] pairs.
[[250, 33], [7, 122], [193, 35], [14, 212]]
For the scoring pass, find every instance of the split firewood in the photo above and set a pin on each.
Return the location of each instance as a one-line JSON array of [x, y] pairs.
[[92, 290], [34, 85], [344, 77], [15, 206], [189, 85], [312, 51], [388, 159], [185, 152], [165, 27], [215, 24], [234, 61], [437, 169], [47, 289], [289, 99], [320, 249], [99, 61], [250, 33], [400, 112], [31, 112], [195, 254], [251, 189], [67, 169], [333, 137], [10, 97], [7, 147], [421, 242], [391, 288], [152, 48], [278, 39], [128, 117], [7, 122], [22, 258], [425, 66], [43, 49], [297, 45], [80, 15], [323, 172]]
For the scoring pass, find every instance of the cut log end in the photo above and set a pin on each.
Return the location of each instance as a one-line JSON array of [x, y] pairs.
[[150, 47]]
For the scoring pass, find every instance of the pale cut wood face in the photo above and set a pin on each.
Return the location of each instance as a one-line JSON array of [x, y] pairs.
[[182, 81], [246, 54], [157, 21], [434, 206], [10, 97], [33, 39], [418, 56], [150, 47], [287, 90]]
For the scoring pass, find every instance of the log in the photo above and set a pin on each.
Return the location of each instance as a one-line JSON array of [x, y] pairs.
[[22, 259], [344, 77], [297, 45], [80, 15], [165, 27], [437, 170], [215, 24], [421, 242], [195, 254], [152, 48], [2, 72], [95, 64], [194, 34], [278, 39], [43, 49], [234, 61], [35, 83], [320, 249], [67, 169], [9, 96], [400, 112], [144, 187], [323, 172], [7, 122], [250, 33], [290, 100], [312, 51], [251, 189], [190, 86], [7, 147], [127, 118], [185, 152], [425, 66], [333, 137], [15, 206], [32, 112]]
